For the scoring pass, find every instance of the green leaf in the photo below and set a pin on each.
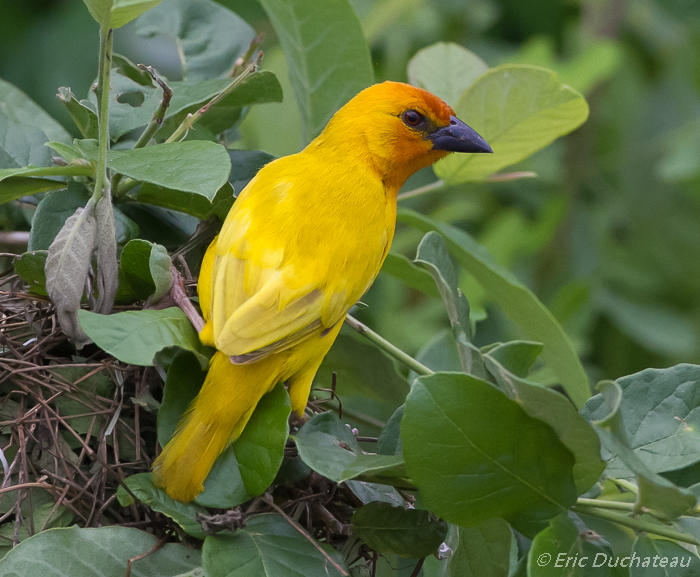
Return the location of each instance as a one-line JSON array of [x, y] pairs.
[[134, 337], [329, 60], [660, 410], [446, 69], [16, 182], [389, 441], [209, 36], [81, 112], [401, 267], [38, 518], [516, 356], [330, 449], [30, 266], [518, 109], [52, 212], [575, 433], [406, 532], [476, 454], [269, 547], [116, 13], [479, 551], [197, 167], [67, 266], [558, 545], [247, 467], [24, 128], [433, 256], [142, 487], [190, 203], [517, 301], [146, 267], [662, 558], [375, 492], [657, 494], [103, 552]]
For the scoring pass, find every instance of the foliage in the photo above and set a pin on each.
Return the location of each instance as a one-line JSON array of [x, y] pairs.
[[476, 454]]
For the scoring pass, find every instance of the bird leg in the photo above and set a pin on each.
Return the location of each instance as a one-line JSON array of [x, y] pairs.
[[179, 296]]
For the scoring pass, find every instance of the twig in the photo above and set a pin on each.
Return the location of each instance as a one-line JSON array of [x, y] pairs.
[[421, 190], [159, 114], [418, 567], [155, 548], [105, 65], [387, 347], [191, 119], [270, 501]]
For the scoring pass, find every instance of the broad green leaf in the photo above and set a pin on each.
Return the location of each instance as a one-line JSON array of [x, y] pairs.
[[209, 36], [479, 551], [197, 167], [247, 467], [67, 266], [330, 449], [401, 267], [446, 69], [134, 337], [24, 128], [662, 558], [375, 492], [476, 454], [329, 60], [558, 545], [575, 433], [439, 354], [103, 552], [83, 115], [17, 182], [116, 13], [660, 410], [518, 109], [30, 266], [406, 532], [433, 256], [192, 203], [269, 546], [146, 267], [142, 487], [37, 518], [517, 301], [657, 494]]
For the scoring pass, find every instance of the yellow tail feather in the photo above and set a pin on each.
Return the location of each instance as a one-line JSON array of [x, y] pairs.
[[214, 420]]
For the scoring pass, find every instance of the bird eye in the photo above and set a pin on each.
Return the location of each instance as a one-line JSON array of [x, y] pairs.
[[413, 118]]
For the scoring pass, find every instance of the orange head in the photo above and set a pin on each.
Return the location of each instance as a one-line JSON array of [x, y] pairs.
[[397, 129]]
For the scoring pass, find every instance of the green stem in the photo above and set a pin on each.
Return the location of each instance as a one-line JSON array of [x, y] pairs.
[[387, 347], [159, 114], [104, 69], [421, 190], [604, 504], [631, 487], [632, 523], [191, 119]]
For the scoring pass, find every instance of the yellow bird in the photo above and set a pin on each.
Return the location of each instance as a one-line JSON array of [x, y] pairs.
[[303, 242]]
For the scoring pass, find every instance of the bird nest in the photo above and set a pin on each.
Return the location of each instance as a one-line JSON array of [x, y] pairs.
[[74, 425]]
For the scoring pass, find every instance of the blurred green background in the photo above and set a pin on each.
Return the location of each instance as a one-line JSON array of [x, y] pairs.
[[607, 235]]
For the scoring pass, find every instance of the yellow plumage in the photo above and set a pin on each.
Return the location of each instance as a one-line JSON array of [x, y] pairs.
[[302, 243]]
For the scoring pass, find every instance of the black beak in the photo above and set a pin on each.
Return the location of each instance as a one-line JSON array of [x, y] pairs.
[[458, 137]]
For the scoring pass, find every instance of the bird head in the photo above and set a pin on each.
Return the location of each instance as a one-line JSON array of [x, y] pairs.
[[398, 129]]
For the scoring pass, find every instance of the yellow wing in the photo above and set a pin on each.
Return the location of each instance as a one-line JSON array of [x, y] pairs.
[[284, 267]]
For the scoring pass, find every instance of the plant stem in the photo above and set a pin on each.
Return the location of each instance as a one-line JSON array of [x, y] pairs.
[[604, 504], [631, 487], [387, 347], [159, 114], [421, 190], [104, 68], [191, 119], [632, 523]]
